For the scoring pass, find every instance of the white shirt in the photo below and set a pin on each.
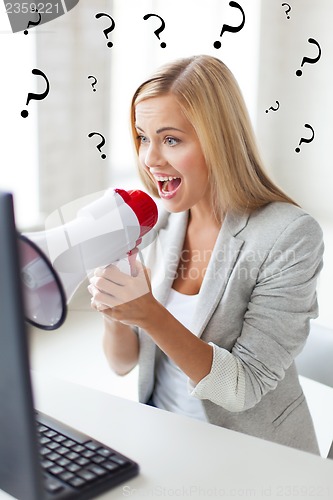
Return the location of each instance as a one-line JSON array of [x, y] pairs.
[[171, 384]]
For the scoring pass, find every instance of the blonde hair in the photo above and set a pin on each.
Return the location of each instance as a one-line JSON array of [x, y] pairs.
[[211, 100]]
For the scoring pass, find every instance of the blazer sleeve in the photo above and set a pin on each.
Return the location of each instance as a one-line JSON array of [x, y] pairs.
[[276, 323]]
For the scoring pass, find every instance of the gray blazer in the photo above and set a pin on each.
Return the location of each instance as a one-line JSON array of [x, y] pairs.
[[256, 300]]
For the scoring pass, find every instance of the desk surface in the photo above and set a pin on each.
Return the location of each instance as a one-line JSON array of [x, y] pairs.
[[74, 353], [181, 457]]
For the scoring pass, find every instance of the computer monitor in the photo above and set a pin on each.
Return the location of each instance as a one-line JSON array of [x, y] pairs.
[[27, 471], [19, 452]]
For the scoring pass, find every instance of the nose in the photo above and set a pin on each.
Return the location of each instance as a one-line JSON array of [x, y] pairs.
[[153, 157]]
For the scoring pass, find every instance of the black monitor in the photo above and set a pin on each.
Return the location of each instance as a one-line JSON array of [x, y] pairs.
[[21, 472], [20, 475]]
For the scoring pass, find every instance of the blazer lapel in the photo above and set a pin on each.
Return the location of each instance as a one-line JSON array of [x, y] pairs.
[[170, 243], [221, 264], [168, 249]]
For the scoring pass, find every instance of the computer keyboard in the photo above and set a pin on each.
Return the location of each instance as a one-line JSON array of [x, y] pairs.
[[74, 463]]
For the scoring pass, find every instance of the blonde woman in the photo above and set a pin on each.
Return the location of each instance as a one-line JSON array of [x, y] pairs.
[[216, 338]]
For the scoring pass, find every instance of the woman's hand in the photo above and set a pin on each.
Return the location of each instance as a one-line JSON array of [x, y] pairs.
[[128, 300], [122, 297]]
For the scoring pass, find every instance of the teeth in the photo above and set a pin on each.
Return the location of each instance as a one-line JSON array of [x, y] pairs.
[[163, 179]]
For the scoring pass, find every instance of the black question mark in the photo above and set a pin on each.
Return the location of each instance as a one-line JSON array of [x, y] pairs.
[[308, 59], [94, 83], [288, 10], [274, 109], [306, 140], [37, 97], [232, 29], [32, 23], [159, 30], [107, 30], [100, 145]]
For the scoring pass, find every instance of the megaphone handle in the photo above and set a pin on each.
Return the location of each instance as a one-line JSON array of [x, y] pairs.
[[132, 261]]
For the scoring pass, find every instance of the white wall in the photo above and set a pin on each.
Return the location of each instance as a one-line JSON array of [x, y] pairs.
[[18, 151], [307, 176]]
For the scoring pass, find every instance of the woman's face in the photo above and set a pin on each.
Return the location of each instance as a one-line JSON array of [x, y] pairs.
[[170, 152]]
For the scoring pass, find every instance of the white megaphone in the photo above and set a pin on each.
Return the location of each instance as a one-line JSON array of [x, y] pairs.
[[56, 261]]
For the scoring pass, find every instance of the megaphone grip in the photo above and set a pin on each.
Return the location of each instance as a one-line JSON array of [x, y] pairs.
[[132, 261]]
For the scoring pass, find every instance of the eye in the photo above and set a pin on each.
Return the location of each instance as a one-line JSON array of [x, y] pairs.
[[142, 139], [171, 141]]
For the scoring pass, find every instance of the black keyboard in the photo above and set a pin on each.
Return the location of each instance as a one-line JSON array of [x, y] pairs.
[[76, 466]]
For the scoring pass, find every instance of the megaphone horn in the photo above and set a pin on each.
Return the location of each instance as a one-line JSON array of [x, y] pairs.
[[56, 261]]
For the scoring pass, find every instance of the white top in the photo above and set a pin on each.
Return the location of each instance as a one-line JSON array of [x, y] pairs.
[[171, 384]]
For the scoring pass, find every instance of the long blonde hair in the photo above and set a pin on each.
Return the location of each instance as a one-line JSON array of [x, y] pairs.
[[210, 98]]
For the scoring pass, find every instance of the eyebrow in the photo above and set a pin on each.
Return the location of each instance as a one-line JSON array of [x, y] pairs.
[[162, 129]]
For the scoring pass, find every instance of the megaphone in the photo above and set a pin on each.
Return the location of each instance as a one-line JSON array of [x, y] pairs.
[[56, 261]]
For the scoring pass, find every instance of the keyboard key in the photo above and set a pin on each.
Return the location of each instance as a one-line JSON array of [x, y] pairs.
[[119, 460], [62, 450], [66, 476], [105, 452], [49, 433], [63, 461], [72, 455], [46, 464], [53, 486], [56, 470], [110, 465], [69, 443], [53, 456], [99, 471], [44, 440], [59, 438], [91, 445], [52, 445], [77, 482], [73, 467], [98, 459], [87, 475], [44, 451], [78, 448], [88, 453], [82, 461]]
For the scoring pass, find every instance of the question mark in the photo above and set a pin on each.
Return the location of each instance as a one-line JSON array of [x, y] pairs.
[[274, 109], [31, 23], [288, 10], [305, 140], [108, 30], [94, 83], [158, 31], [100, 145], [38, 97], [307, 59], [232, 29]]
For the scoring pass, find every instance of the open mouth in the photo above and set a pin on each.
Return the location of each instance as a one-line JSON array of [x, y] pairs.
[[168, 186]]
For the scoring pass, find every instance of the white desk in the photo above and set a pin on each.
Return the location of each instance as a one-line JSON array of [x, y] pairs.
[[74, 351], [181, 457]]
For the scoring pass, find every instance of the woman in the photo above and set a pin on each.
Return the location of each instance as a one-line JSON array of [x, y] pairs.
[[233, 269]]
